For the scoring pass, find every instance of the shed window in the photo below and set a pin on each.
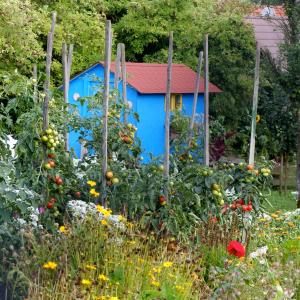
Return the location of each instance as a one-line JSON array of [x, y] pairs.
[[175, 103]]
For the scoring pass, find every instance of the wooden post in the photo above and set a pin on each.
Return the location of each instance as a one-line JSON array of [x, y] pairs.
[[286, 162], [167, 117], [197, 83], [254, 107], [206, 104], [48, 71], [108, 42], [117, 67], [281, 173], [66, 63], [298, 162], [124, 96], [35, 84]]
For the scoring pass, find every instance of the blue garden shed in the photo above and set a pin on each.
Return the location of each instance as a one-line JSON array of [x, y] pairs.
[[146, 90]]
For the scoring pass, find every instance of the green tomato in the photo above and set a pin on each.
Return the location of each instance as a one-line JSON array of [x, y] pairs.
[[210, 172], [51, 141], [49, 131], [49, 145], [44, 138], [215, 193], [205, 173], [221, 202], [161, 167]]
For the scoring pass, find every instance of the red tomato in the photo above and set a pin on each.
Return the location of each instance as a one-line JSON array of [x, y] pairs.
[[50, 205], [53, 200], [241, 201], [51, 155], [59, 181], [77, 194], [51, 163]]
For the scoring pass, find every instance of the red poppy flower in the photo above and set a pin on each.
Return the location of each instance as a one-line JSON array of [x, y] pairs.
[[235, 248]]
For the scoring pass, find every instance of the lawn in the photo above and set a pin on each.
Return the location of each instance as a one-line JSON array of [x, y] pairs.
[[279, 201]]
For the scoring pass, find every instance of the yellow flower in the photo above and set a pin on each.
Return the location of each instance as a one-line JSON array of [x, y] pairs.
[[86, 282], [94, 193], [105, 212], [258, 118], [90, 267], [63, 229], [121, 218], [167, 264], [291, 224], [155, 283], [113, 298], [91, 183], [50, 265], [104, 222], [156, 270], [179, 288], [103, 277], [274, 216]]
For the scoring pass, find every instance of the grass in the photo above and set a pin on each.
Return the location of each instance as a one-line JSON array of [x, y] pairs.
[[280, 202]]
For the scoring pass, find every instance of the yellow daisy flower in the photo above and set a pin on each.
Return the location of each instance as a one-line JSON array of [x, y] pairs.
[[86, 282], [103, 277], [50, 265], [167, 264], [91, 183]]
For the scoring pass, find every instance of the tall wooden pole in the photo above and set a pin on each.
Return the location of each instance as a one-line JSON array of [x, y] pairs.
[[108, 42], [197, 84], [67, 63], [117, 67], [298, 162], [48, 71], [167, 117], [35, 84], [124, 95], [254, 107], [206, 104]]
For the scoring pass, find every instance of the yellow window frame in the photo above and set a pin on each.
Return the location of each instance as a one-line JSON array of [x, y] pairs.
[[175, 102]]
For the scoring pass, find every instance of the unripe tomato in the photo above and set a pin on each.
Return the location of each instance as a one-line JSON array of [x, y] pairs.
[[44, 138], [47, 166], [115, 180]]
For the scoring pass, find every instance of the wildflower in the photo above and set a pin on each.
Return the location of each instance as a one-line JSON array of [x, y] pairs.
[[103, 277], [94, 193], [156, 270], [91, 183], [167, 264], [259, 252], [155, 283], [121, 218], [113, 298], [258, 118], [86, 282], [179, 288], [105, 212], [235, 248], [291, 224], [90, 267], [274, 216], [50, 265], [62, 229], [104, 222]]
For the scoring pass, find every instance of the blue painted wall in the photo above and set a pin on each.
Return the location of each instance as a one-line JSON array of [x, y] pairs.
[[150, 108]]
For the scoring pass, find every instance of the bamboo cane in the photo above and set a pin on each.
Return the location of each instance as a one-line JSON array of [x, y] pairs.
[[254, 107], [124, 95], [206, 104], [167, 117], [108, 42]]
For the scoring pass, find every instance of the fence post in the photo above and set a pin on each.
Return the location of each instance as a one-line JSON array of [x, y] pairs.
[[108, 42], [167, 117], [35, 84], [254, 107]]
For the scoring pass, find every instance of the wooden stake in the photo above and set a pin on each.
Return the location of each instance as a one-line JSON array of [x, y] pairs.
[[108, 42], [281, 173], [48, 71], [35, 84], [298, 162], [167, 117], [254, 107], [206, 104], [124, 95], [117, 66], [66, 63], [197, 83]]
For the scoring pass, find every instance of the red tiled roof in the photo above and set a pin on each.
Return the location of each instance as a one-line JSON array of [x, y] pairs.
[[148, 78], [278, 10]]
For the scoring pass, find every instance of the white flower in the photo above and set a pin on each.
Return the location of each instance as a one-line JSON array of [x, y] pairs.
[[259, 252]]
